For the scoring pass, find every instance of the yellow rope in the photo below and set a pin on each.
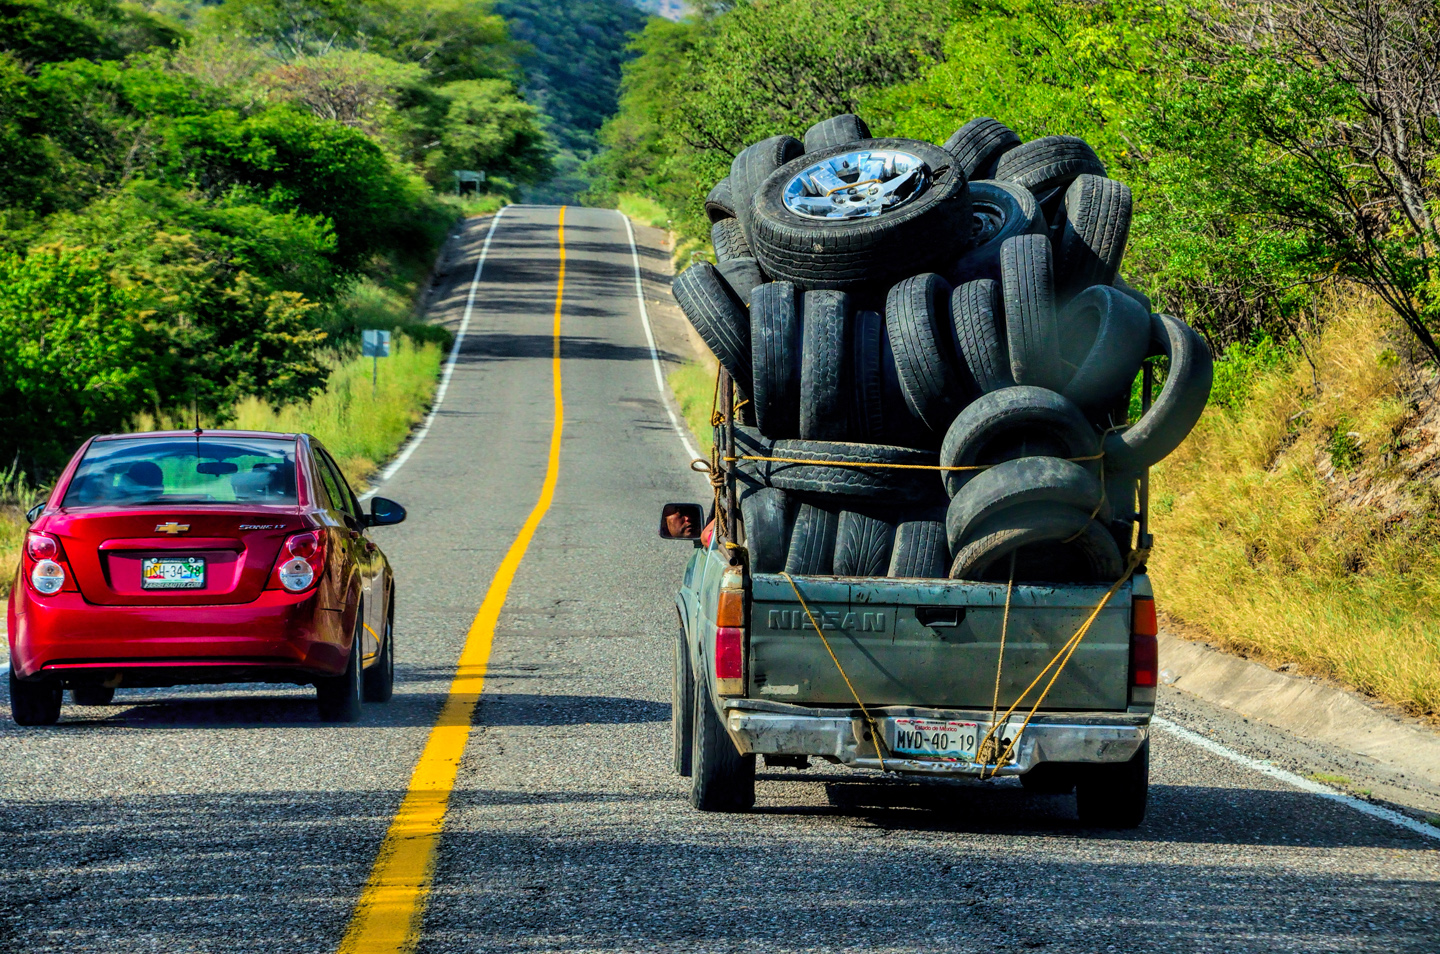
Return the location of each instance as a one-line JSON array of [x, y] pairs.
[[1000, 658], [874, 726]]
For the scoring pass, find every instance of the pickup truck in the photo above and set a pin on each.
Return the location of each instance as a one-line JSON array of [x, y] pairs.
[[914, 662]]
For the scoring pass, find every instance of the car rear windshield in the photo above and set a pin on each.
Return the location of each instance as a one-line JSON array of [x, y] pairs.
[[182, 470]]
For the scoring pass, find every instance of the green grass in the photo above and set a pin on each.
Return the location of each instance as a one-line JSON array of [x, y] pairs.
[[1328, 779], [643, 210], [694, 386], [471, 205]]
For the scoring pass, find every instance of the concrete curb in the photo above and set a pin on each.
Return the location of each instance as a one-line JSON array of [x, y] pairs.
[[1300, 706]]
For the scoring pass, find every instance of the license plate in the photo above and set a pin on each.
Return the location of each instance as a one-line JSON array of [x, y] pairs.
[[934, 738], [172, 573]]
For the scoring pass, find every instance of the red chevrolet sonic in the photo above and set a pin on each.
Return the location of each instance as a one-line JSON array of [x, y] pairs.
[[177, 558]]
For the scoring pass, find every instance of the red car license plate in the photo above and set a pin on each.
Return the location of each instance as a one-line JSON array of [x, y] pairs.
[[172, 573]]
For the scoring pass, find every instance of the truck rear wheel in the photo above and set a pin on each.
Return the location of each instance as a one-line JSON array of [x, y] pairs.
[[1114, 796], [721, 780], [682, 707]]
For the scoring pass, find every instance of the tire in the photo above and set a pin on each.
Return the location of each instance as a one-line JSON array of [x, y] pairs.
[[1091, 232], [826, 381], [1012, 423], [1032, 333], [682, 708], [1177, 408], [1045, 166], [1021, 483], [721, 779], [35, 702], [919, 551], [901, 428], [978, 145], [979, 318], [379, 679], [812, 541], [1108, 336], [718, 204], [727, 238], [1114, 796], [1050, 778], [1140, 297], [92, 695], [835, 131], [750, 169], [751, 475], [768, 515], [719, 316], [917, 316], [1002, 210], [1053, 544], [339, 697], [862, 544], [743, 276], [929, 230], [775, 348], [868, 414], [870, 483]]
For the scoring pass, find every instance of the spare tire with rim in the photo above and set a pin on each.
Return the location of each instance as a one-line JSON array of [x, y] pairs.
[[1090, 234], [1177, 408], [919, 551], [719, 315], [826, 381], [860, 214], [727, 238], [1001, 210], [1012, 423], [1018, 483], [1032, 331], [775, 356], [1052, 543], [1108, 335], [834, 473], [835, 131], [751, 168], [979, 144], [719, 204], [1047, 166]]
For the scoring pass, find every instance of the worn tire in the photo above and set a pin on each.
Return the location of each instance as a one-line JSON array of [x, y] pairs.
[[92, 695], [872, 483], [750, 169], [868, 413], [812, 541], [862, 544], [720, 317], [935, 385], [1052, 543], [979, 318], [835, 131], [902, 428], [743, 275], [727, 238], [721, 779], [1001, 210], [775, 355], [719, 204], [919, 551], [978, 145], [35, 702], [1019, 483], [1013, 423], [826, 380], [1045, 166], [1032, 333], [929, 230], [769, 516], [1091, 233], [682, 707], [1179, 405], [1108, 335], [1114, 796], [750, 474], [1050, 778]]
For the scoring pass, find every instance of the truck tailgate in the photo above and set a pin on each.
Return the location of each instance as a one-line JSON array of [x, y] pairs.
[[934, 643]]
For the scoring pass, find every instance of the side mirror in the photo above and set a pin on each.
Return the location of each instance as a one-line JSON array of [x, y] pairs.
[[682, 521], [34, 512], [384, 512]]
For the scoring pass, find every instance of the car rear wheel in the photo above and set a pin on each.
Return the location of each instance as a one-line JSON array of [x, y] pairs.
[[35, 703], [1114, 796], [339, 697], [380, 677], [92, 695], [721, 780]]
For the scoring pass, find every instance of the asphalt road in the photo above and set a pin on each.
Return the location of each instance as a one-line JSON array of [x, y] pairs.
[[230, 820]]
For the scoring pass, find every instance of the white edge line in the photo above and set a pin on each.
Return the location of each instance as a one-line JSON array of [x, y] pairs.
[[1296, 781], [419, 435], [650, 339]]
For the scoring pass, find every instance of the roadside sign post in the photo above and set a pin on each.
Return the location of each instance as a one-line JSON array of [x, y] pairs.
[[374, 345], [470, 177]]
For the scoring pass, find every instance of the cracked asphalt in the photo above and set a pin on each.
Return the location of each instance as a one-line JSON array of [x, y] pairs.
[[228, 819]]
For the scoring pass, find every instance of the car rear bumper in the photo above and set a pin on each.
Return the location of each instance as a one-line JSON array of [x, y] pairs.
[[842, 736], [278, 637]]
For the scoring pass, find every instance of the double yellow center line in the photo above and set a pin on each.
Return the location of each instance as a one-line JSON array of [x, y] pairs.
[[391, 908]]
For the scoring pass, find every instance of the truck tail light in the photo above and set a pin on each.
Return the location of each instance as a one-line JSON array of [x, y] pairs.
[[300, 564], [729, 652], [730, 636], [45, 565], [1144, 647]]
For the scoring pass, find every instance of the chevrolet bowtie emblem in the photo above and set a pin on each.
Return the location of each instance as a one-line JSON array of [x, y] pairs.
[[172, 528]]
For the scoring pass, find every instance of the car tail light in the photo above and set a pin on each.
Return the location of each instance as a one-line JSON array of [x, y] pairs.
[[1144, 647], [730, 635], [46, 566], [42, 546], [301, 562]]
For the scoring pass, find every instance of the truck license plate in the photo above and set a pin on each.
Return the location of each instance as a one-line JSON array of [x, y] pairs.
[[172, 573], [932, 738]]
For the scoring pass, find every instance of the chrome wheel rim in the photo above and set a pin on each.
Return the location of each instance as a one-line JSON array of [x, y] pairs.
[[854, 185]]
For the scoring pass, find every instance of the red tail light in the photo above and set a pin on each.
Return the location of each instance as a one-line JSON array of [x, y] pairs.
[[45, 566], [301, 563], [730, 636], [1144, 647], [42, 546], [729, 652]]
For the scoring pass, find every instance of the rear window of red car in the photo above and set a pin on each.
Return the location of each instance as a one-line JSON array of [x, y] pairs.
[[143, 472]]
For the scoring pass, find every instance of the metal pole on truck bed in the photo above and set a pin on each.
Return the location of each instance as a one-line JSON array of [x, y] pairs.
[[1147, 384], [727, 393]]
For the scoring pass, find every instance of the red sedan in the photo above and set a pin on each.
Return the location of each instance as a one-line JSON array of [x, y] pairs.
[[179, 558]]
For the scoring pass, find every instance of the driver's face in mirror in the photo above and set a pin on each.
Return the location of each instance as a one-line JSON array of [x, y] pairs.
[[678, 524]]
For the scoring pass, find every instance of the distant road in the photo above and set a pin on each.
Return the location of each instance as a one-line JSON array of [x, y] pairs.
[[229, 820]]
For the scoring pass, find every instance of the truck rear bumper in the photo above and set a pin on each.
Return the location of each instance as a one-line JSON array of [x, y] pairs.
[[841, 735]]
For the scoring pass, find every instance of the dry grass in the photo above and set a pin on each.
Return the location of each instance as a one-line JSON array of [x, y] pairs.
[[694, 386], [1300, 526]]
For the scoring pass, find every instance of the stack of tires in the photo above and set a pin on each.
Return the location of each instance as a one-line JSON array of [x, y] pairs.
[[888, 307]]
